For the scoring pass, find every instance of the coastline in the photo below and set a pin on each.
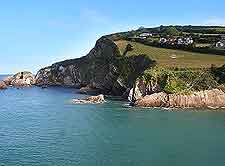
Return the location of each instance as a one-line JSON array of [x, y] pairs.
[[135, 78], [212, 99]]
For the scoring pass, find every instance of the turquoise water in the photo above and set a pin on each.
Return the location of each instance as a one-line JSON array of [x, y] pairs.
[[41, 127]]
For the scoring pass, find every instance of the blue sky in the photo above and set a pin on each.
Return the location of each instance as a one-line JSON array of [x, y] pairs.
[[37, 33]]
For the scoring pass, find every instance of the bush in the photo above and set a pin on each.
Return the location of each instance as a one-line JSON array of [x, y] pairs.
[[219, 74], [171, 31], [175, 86], [179, 81]]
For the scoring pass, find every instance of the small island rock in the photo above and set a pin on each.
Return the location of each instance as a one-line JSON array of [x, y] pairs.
[[21, 79], [90, 100]]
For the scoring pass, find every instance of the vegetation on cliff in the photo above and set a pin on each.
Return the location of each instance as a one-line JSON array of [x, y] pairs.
[[180, 80], [131, 67], [104, 69], [112, 67], [177, 71]]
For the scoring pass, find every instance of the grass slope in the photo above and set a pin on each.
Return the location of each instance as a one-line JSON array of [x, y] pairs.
[[164, 56]]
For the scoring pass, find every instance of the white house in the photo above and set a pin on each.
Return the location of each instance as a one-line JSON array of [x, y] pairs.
[[220, 44], [163, 40], [180, 41], [145, 35], [188, 41]]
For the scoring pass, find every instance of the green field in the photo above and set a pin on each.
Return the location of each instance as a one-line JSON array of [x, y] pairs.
[[173, 58]]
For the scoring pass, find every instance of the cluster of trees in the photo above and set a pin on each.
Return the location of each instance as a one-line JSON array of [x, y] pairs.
[[202, 29], [170, 31]]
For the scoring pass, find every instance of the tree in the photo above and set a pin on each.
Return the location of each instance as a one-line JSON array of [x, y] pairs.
[[171, 31]]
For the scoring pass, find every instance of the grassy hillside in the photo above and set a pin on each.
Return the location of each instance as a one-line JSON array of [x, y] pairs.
[[173, 58]]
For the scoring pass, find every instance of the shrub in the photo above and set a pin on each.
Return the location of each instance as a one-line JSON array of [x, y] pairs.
[[179, 81]]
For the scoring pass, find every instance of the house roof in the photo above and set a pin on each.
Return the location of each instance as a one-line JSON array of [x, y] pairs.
[[145, 34]]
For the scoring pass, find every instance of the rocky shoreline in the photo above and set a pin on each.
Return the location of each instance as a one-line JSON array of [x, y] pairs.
[[105, 71], [214, 98]]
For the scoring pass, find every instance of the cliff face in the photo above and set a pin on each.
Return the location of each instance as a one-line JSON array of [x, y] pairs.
[[202, 99], [97, 70]]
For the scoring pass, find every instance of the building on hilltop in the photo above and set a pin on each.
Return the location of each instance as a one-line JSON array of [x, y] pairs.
[[180, 41], [188, 41], [220, 44], [162, 40], [145, 35], [177, 41]]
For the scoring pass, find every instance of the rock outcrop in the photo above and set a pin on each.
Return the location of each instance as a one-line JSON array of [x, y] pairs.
[[95, 70], [98, 71], [90, 100], [209, 98], [8, 80], [20, 79], [154, 100], [3, 85], [141, 90], [138, 92]]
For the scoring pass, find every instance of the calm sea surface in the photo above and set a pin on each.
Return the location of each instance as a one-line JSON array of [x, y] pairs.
[[41, 127]]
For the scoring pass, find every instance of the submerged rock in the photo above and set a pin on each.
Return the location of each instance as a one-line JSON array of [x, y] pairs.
[[90, 100], [209, 98], [3, 85]]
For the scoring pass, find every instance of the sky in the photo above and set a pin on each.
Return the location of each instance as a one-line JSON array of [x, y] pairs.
[[37, 33]]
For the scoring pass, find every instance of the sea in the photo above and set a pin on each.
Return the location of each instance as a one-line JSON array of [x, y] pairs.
[[41, 127]]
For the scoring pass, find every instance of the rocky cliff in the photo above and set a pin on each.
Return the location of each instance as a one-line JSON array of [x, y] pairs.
[[101, 69], [209, 98]]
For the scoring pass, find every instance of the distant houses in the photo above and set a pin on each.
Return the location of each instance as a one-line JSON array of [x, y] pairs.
[[145, 35], [221, 43], [177, 41], [174, 41], [162, 40]]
